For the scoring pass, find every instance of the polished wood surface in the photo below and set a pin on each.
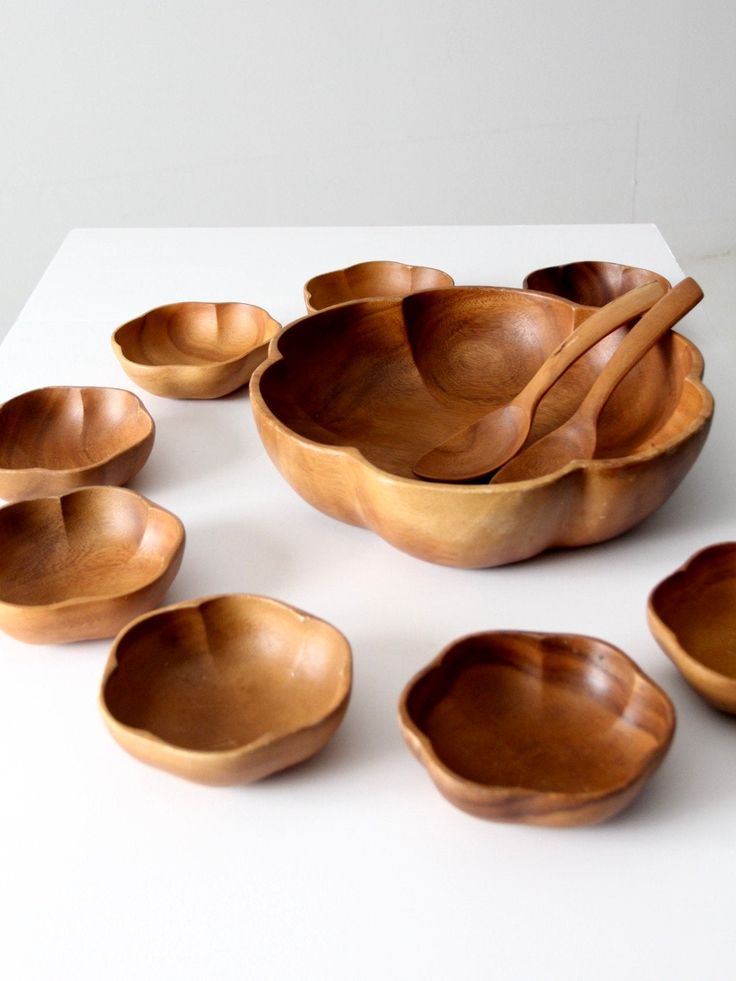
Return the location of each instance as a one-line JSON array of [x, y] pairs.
[[577, 438], [549, 729], [591, 283], [55, 439], [370, 279], [226, 689], [692, 614], [81, 565], [352, 396], [194, 350], [487, 444]]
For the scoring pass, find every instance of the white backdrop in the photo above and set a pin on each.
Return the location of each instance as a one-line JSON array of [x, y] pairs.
[[291, 112]]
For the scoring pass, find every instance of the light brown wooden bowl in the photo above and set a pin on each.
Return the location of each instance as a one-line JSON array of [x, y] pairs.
[[371, 279], [692, 615], [550, 729], [80, 565], [591, 283], [226, 689], [194, 350], [351, 397], [55, 439]]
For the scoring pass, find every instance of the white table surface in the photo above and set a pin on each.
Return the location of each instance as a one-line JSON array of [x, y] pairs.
[[351, 866]]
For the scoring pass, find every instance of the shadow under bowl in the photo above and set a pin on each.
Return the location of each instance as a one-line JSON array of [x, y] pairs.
[[194, 350], [81, 565], [548, 729], [226, 689], [591, 283], [692, 614], [55, 439], [371, 279], [351, 397]]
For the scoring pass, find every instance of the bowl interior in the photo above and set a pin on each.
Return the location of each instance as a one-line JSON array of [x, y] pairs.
[[591, 283], [395, 378], [371, 279], [95, 542], [698, 604], [69, 428], [550, 714], [195, 334], [226, 672]]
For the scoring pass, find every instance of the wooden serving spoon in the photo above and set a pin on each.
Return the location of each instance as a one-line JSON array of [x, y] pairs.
[[493, 439], [576, 438]]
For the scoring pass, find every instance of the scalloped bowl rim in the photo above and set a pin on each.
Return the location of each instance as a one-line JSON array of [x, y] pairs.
[[265, 739], [178, 365], [80, 601], [372, 263], [495, 790], [672, 636], [693, 376], [88, 466]]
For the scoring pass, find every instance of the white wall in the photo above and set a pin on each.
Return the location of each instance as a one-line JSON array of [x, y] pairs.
[[237, 112]]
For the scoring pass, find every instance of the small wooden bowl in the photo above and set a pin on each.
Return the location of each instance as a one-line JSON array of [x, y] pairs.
[[53, 440], [692, 615], [80, 565], [371, 279], [550, 729], [226, 689], [351, 397], [591, 283], [194, 350]]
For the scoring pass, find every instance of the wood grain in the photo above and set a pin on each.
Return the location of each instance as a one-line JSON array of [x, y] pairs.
[[55, 439], [226, 689], [591, 283], [81, 565], [352, 396], [194, 350], [692, 614], [549, 729], [370, 279]]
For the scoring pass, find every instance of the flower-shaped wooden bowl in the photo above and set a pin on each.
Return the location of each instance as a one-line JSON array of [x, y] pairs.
[[194, 350], [692, 615], [55, 439], [550, 729], [371, 279], [591, 283], [226, 689], [80, 565], [351, 397]]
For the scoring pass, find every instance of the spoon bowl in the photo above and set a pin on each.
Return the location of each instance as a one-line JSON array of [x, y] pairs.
[[488, 443], [577, 438], [352, 396]]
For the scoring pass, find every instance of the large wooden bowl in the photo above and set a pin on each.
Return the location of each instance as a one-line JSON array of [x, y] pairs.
[[194, 350], [226, 689], [55, 439], [81, 565], [692, 615], [591, 283], [371, 279], [352, 396], [549, 729]]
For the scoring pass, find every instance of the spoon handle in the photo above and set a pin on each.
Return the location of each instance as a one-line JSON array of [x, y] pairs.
[[664, 314], [595, 328]]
